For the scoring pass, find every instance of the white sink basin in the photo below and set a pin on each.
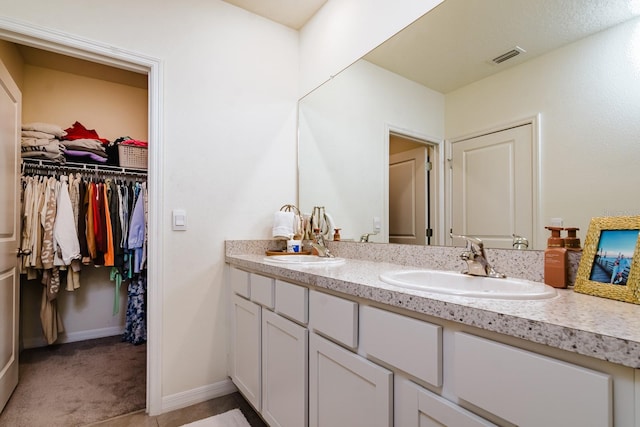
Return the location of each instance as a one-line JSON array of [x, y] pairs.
[[447, 282], [303, 260]]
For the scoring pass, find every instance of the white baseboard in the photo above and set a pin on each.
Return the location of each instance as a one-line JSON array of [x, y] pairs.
[[65, 337], [197, 395]]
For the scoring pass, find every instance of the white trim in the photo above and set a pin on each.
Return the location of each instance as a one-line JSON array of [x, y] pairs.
[[68, 337], [68, 44], [535, 122], [438, 144], [197, 395]]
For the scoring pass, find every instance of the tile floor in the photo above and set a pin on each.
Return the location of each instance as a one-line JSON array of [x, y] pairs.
[[187, 415]]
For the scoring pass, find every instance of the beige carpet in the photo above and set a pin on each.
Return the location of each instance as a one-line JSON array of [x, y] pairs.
[[78, 383], [233, 418]]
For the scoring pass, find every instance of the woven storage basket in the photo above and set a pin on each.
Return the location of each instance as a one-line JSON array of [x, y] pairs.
[[132, 156]]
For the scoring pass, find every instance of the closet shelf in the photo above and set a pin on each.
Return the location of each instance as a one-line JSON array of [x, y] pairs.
[[47, 165]]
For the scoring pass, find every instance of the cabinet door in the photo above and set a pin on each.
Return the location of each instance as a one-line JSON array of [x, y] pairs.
[[418, 407], [284, 371], [245, 352], [346, 390]]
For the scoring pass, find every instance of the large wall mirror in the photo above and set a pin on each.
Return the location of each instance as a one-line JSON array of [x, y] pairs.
[[571, 86]]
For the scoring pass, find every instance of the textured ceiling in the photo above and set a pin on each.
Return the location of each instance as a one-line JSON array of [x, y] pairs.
[[452, 45]]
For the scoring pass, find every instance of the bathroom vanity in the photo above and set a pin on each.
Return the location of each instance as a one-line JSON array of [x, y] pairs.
[[335, 346]]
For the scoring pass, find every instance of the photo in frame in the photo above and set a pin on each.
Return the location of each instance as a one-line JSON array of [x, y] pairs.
[[610, 263]]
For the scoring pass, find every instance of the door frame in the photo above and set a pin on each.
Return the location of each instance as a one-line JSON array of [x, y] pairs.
[[35, 36], [438, 161], [536, 155]]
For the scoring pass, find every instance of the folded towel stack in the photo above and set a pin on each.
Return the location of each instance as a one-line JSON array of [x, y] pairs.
[[283, 225], [42, 141]]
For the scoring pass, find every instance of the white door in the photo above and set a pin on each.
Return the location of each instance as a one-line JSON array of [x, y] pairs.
[[10, 109], [492, 186], [407, 197]]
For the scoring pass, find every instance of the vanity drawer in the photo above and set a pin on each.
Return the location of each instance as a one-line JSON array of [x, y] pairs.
[[239, 281], [408, 344], [262, 290], [334, 317], [292, 301], [486, 373]]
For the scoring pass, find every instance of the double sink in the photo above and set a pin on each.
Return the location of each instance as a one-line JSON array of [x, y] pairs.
[[441, 282]]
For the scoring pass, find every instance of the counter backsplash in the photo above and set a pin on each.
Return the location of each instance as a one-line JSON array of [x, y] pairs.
[[524, 264]]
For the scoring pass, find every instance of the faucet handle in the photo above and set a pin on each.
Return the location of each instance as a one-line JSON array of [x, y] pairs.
[[471, 240]]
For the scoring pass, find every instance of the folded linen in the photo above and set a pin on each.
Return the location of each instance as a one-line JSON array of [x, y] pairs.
[[52, 146], [46, 128], [37, 134], [283, 225], [85, 144], [55, 157], [34, 142]]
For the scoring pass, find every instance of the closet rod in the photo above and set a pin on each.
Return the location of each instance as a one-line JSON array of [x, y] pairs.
[[39, 165]]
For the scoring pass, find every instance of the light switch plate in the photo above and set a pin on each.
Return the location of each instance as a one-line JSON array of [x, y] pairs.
[[179, 220]]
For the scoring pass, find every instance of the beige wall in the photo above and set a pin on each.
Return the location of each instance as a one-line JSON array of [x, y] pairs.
[[12, 59], [112, 109]]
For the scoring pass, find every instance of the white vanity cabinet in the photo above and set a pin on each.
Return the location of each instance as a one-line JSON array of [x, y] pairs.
[[345, 389], [305, 357], [269, 353]]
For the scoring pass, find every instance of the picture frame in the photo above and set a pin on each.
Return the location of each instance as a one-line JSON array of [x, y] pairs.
[[610, 263]]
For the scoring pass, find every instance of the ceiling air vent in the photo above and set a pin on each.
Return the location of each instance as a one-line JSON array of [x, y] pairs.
[[508, 55]]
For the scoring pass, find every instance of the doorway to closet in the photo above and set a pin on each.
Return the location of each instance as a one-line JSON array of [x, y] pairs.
[[98, 55]]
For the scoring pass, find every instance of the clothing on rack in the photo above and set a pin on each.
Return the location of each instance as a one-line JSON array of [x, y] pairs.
[[77, 219], [135, 328]]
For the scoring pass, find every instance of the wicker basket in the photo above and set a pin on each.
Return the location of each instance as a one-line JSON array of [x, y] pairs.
[[131, 156]]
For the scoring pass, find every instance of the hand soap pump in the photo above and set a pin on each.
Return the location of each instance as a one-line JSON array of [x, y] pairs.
[[572, 242], [555, 260]]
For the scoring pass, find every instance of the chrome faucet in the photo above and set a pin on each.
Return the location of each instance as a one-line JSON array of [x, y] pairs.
[[319, 245], [520, 242], [365, 237], [474, 256]]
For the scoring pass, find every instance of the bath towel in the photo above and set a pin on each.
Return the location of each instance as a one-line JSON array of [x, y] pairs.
[[283, 225]]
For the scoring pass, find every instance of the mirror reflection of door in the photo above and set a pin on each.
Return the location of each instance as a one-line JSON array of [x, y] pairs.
[[492, 186], [411, 191]]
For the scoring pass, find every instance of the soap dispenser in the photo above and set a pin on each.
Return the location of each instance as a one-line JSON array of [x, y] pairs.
[[572, 242], [555, 260]]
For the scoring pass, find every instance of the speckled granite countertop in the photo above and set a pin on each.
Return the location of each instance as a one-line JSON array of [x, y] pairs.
[[596, 327]]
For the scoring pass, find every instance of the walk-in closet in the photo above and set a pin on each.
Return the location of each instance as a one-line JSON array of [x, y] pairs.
[[89, 313]]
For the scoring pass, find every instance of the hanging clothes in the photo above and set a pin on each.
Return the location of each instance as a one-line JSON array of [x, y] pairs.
[[74, 220], [135, 330]]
